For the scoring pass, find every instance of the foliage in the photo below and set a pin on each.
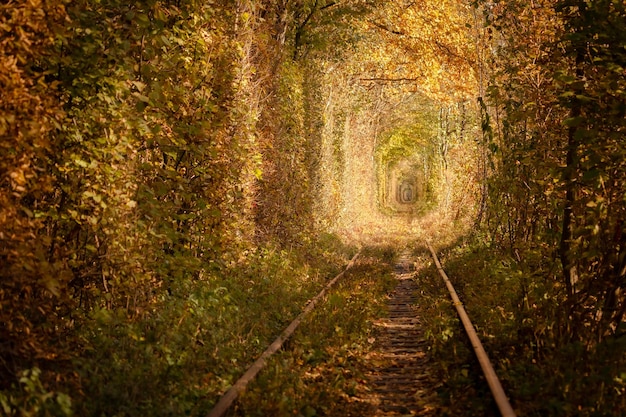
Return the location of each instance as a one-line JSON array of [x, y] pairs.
[[555, 206], [424, 47], [168, 170], [558, 141], [32, 399], [516, 324], [29, 111], [178, 358], [144, 184], [284, 194]]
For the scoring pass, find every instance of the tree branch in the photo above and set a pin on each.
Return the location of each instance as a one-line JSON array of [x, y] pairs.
[[300, 30], [385, 28], [389, 80]]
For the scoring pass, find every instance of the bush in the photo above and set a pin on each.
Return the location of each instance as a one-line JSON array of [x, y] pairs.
[[29, 398]]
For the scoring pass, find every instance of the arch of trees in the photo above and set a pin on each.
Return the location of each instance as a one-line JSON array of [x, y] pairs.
[[150, 149]]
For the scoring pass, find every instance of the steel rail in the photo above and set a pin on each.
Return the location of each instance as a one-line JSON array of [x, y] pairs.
[[492, 379], [227, 400]]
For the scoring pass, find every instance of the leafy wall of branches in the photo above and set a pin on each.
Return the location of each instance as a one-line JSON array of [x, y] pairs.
[[558, 194], [145, 145]]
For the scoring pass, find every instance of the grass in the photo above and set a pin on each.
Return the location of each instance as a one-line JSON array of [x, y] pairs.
[[200, 335], [320, 372]]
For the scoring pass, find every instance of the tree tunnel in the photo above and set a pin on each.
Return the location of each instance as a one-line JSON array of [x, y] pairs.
[[404, 189], [408, 159], [405, 155]]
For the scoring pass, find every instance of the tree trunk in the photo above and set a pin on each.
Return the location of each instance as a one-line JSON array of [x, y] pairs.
[[565, 247]]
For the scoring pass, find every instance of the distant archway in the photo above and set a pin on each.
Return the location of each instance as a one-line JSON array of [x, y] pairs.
[[406, 192]]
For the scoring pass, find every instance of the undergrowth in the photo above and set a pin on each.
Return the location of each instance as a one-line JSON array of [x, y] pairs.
[[196, 339], [320, 370], [201, 333], [509, 302]]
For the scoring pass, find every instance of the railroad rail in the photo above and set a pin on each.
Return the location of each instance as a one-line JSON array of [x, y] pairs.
[[399, 382], [227, 400], [490, 375]]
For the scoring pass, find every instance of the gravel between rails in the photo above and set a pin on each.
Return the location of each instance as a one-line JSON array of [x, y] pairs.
[[399, 377]]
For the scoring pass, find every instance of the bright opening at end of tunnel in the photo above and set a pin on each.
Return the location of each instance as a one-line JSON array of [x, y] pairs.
[[410, 167]]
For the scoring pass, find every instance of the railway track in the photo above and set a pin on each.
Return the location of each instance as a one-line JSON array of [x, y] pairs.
[[400, 379]]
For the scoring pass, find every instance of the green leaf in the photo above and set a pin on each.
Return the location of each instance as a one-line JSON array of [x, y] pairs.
[[141, 97], [584, 99], [574, 121], [141, 106], [142, 20], [591, 174]]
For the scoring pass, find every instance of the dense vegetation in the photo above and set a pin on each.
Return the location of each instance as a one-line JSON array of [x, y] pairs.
[[557, 199], [177, 177], [157, 188]]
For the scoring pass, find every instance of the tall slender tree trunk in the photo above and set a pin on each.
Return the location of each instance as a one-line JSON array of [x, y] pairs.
[[566, 235], [565, 247]]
